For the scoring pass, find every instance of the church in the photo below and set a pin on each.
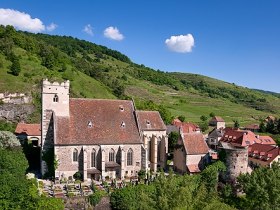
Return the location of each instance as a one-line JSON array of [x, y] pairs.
[[100, 138]]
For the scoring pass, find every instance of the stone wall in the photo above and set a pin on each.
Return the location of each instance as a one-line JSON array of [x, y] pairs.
[[15, 98], [16, 112]]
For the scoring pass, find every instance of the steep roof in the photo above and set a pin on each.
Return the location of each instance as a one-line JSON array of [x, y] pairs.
[[217, 119], [28, 129], [215, 133], [186, 127], [172, 128], [239, 138], [264, 153], [189, 127], [98, 121], [194, 144], [150, 120]]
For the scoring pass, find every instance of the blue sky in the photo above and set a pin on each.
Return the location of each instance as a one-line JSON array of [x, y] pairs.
[[237, 41]]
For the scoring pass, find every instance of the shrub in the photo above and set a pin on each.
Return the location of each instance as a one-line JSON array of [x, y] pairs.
[[95, 198], [78, 176]]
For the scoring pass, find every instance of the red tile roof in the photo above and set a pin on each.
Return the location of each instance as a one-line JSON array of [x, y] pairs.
[[98, 121], [189, 127], [28, 129], [176, 122], [186, 127], [264, 153], [217, 119], [239, 138], [252, 127], [267, 140], [150, 120], [195, 144], [193, 168]]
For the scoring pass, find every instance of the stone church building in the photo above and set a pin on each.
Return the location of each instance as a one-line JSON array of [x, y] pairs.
[[100, 137]]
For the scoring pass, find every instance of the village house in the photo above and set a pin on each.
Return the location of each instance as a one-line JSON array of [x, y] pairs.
[[30, 132], [100, 137], [214, 137], [263, 155], [191, 152], [252, 127], [218, 122]]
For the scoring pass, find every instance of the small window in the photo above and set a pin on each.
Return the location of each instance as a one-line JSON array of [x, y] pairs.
[[121, 108], [112, 155], [123, 124], [55, 98], [148, 122], [89, 124], [75, 155], [93, 158], [129, 157]]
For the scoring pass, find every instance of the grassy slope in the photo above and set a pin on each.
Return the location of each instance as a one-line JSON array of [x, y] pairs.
[[188, 102], [82, 85]]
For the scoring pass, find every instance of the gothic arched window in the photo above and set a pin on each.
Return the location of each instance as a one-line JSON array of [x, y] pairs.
[[75, 155], [55, 98], [112, 155], [93, 158], [129, 157]]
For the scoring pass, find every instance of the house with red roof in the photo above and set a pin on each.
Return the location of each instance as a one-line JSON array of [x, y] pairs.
[[100, 137], [191, 153], [186, 127], [218, 122], [31, 132], [263, 155], [252, 127]]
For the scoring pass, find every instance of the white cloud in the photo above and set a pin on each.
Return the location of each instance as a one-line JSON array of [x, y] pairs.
[[181, 43], [51, 27], [113, 33], [23, 21], [88, 29]]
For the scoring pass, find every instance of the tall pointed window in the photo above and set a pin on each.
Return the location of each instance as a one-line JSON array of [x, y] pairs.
[[93, 158], [75, 155], [112, 155], [129, 157], [55, 98]]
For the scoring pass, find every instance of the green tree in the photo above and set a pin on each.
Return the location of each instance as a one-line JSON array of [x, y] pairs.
[[203, 126], [142, 174], [8, 140], [172, 140], [15, 67], [203, 118], [262, 126], [236, 124], [270, 126], [182, 118], [212, 114], [261, 188]]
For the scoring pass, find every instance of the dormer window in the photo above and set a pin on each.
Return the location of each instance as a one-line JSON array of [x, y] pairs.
[[121, 108], [55, 98], [123, 124], [89, 124], [148, 122]]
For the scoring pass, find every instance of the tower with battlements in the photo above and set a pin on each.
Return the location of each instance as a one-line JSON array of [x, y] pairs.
[[55, 100]]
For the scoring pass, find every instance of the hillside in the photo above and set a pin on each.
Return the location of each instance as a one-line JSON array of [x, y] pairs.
[[98, 72]]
